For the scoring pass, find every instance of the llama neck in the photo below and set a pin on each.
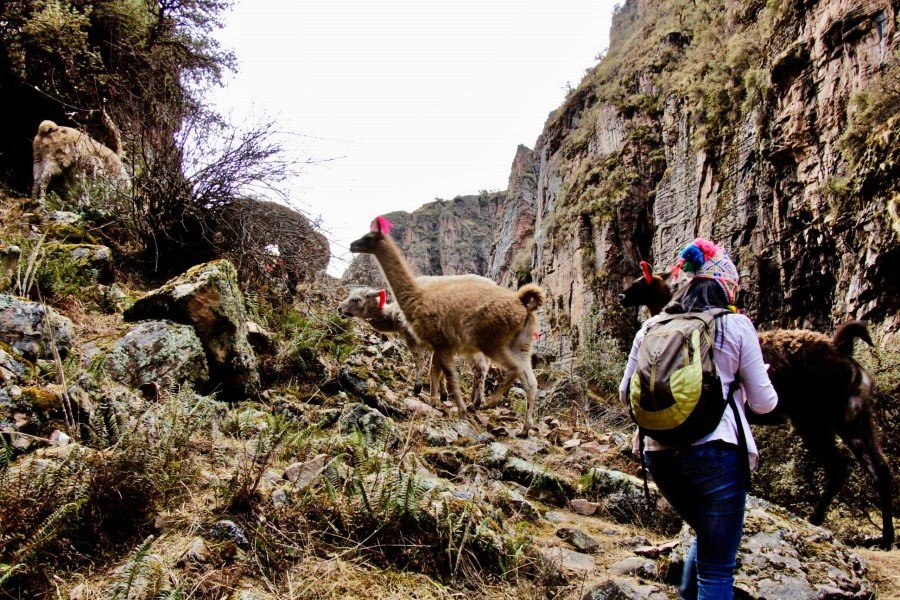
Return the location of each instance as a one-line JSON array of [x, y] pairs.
[[398, 275], [659, 299], [386, 320]]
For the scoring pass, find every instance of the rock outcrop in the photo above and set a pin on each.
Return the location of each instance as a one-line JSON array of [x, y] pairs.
[[207, 297], [633, 167], [89, 261], [261, 235], [158, 352], [31, 328], [444, 237]]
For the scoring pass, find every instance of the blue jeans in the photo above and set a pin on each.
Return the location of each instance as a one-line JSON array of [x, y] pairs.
[[706, 486]]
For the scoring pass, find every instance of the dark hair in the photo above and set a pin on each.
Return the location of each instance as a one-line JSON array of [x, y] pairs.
[[702, 294]]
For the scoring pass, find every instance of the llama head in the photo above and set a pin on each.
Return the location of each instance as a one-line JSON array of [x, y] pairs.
[[368, 243], [363, 303], [649, 289], [47, 128]]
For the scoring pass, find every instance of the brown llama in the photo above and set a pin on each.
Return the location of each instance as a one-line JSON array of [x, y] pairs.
[[59, 150], [462, 316], [821, 390], [370, 305]]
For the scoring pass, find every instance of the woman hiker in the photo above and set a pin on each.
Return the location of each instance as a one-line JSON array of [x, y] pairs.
[[704, 451]]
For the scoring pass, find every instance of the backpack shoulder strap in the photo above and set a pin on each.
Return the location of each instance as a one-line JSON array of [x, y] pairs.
[[744, 460]]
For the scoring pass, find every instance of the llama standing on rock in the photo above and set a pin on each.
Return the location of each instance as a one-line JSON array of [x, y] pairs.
[[59, 150], [370, 305], [821, 389], [462, 317]]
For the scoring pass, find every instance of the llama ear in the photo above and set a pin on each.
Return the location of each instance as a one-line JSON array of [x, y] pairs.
[[648, 276], [382, 298]]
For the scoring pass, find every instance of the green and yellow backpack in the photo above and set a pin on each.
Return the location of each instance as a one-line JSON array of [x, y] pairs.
[[675, 394]]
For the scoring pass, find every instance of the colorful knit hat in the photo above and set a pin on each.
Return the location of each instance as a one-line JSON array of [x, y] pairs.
[[702, 258]]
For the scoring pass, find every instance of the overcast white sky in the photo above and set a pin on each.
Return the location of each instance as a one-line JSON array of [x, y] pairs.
[[414, 99]]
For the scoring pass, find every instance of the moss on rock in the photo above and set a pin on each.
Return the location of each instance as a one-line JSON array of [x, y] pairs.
[[208, 298], [157, 352]]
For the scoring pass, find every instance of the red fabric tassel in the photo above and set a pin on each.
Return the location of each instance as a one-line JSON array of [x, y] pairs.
[[381, 225], [648, 277]]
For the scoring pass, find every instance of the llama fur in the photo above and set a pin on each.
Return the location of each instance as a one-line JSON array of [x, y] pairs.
[[462, 317], [363, 303], [822, 390], [59, 150]]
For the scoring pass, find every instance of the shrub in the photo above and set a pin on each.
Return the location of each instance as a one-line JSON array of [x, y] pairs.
[[599, 359], [871, 109], [303, 337], [53, 513]]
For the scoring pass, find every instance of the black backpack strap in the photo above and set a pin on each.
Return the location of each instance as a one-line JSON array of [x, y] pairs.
[[742, 437]]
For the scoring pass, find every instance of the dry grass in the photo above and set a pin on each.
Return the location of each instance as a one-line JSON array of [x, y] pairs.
[[884, 572]]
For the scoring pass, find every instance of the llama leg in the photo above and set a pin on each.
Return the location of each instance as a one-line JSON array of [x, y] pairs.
[[447, 364], [529, 382], [861, 437], [42, 172], [511, 369], [479, 374], [509, 378], [825, 449], [419, 365], [435, 377]]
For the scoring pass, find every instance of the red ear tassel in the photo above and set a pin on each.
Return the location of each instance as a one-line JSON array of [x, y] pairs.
[[381, 225], [648, 277], [382, 298]]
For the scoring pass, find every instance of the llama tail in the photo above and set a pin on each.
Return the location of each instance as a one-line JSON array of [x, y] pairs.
[[531, 296], [849, 331]]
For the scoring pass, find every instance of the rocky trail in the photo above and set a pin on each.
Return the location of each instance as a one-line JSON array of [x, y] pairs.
[[181, 443]]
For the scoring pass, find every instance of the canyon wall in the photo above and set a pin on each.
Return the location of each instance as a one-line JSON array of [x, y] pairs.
[[771, 128]]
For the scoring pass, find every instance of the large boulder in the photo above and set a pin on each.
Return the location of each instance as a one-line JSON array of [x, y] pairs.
[[157, 352], [623, 588], [30, 328], [270, 239], [372, 424], [208, 298], [30, 413], [621, 497], [543, 482]]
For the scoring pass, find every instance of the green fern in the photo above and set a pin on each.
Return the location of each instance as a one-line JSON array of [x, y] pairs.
[[123, 590], [6, 455], [332, 478], [48, 529], [7, 571]]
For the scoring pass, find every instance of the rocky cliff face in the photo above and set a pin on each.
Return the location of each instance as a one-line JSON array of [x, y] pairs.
[[743, 141], [770, 128], [444, 237]]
